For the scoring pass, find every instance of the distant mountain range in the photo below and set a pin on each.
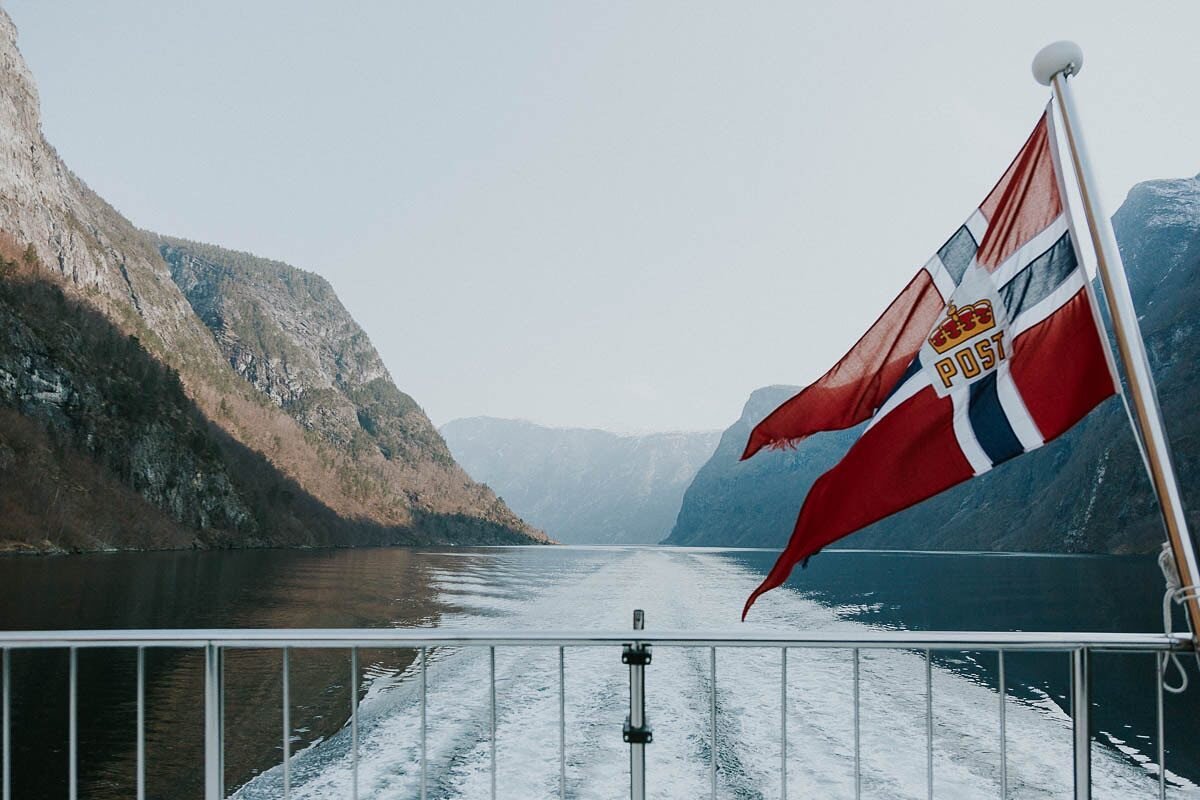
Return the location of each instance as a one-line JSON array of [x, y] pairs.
[[582, 486], [158, 393], [1086, 492]]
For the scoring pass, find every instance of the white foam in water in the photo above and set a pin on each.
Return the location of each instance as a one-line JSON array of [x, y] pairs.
[[683, 590]]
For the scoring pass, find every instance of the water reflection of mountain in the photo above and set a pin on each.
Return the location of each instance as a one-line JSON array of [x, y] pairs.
[[248, 589]]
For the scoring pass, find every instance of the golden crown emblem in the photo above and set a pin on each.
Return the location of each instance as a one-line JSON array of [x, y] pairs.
[[962, 323]]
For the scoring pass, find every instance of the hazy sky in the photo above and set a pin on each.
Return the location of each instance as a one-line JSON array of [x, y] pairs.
[[622, 215]]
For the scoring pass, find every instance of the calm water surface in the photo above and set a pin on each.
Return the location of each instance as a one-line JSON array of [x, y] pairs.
[[589, 588]]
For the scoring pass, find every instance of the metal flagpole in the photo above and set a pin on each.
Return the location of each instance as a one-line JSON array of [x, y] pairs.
[[1052, 66]]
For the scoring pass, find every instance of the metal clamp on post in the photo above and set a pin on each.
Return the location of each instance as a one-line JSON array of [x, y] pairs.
[[636, 654], [640, 735], [636, 732]]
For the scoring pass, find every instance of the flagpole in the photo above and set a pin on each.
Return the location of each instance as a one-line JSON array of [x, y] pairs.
[[1052, 66]]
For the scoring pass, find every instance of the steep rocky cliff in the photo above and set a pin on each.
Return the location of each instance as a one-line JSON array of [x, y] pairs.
[[284, 331], [582, 486], [129, 422], [1085, 492]]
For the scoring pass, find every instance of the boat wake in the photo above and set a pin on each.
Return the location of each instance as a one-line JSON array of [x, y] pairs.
[[683, 590]]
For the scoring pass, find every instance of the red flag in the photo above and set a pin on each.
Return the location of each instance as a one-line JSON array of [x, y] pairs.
[[993, 349]]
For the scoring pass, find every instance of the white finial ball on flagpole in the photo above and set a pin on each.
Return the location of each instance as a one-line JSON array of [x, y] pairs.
[[1055, 58]]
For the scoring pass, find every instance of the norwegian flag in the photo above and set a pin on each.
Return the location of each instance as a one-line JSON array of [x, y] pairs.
[[992, 350]]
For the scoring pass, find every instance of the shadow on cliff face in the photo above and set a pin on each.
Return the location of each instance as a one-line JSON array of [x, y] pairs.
[[101, 448]]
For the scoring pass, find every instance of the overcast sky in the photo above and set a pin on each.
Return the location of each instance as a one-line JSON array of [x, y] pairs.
[[619, 215]]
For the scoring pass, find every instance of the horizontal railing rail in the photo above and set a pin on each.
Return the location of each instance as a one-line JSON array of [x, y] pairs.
[[636, 646], [268, 638]]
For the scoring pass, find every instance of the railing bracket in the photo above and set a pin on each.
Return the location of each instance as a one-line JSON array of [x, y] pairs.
[[636, 655], [642, 734]]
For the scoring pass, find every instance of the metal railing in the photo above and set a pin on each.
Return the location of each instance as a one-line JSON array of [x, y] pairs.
[[215, 642]]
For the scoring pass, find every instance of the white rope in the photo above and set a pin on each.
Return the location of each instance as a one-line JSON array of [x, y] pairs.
[[1177, 594]]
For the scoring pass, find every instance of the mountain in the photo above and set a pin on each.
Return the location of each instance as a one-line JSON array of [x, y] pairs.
[[1085, 492], [582, 486], [218, 400], [742, 503], [285, 332]]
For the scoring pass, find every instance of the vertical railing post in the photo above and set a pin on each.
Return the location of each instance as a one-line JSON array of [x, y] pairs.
[[492, 727], [353, 723], [287, 723], [783, 703], [562, 726], [73, 728], [857, 735], [712, 719], [213, 779], [1003, 730], [221, 715], [6, 778], [1160, 667], [141, 723], [1081, 726], [929, 723], [637, 730], [424, 722]]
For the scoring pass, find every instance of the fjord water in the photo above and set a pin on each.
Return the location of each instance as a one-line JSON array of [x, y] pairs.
[[590, 589]]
